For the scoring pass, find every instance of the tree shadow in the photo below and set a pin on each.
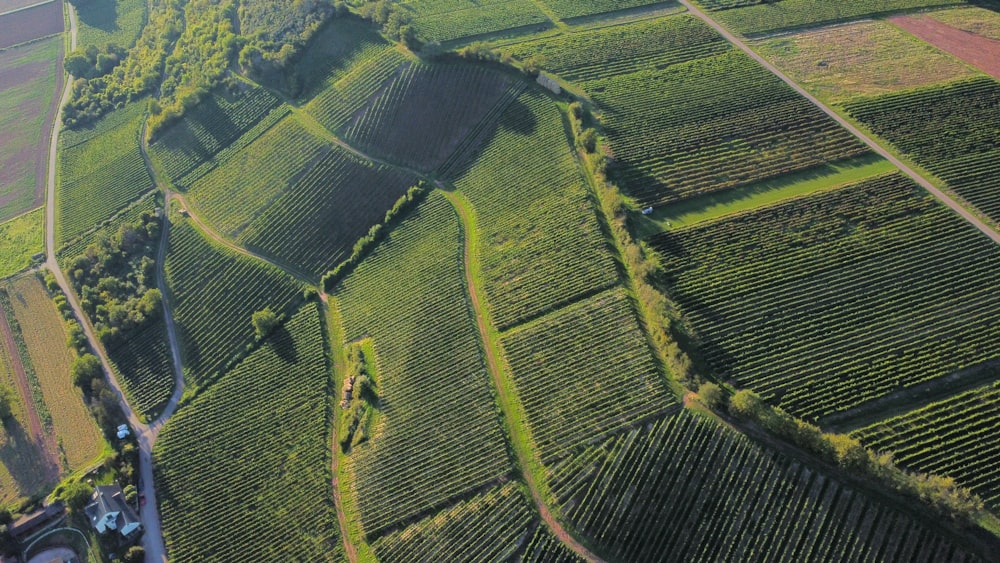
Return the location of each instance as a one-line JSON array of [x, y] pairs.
[[284, 345], [25, 460], [100, 14], [518, 118]]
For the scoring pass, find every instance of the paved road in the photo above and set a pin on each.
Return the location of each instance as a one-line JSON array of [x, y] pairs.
[[926, 184]]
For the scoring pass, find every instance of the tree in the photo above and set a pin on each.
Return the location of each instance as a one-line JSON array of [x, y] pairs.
[[711, 395], [135, 554], [264, 322], [77, 496], [6, 398], [745, 403], [85, 369], [77, 65]]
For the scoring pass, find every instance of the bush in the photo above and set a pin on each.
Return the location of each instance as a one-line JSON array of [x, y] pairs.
[[77, 496], [711, 395], [746, 404], [264, 322], [85, 369]]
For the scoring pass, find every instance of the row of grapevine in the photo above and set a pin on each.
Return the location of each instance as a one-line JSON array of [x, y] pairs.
[[565, 9], [129, 215], [215, 291], [101, 170], [450, 20], [425, 111], [332, 205], [768, 17], [825, 302], [543, 547], [584, 372], [727, 122], [541, 243], [215, 124], [244, 471], [101, 23], [437, 436], [955, 437], [948, 130], [334, 106], [232, 195], [145, 368], [623, 49], [687, 488]]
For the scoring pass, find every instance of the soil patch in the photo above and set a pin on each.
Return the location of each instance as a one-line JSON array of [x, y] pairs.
[[980, 52], [33, 23]]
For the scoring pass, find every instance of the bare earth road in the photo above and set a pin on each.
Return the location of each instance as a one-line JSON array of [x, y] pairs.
[[145, 434], [945, 199]]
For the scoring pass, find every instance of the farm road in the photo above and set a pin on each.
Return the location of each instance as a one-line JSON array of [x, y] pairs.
[[926, 184]]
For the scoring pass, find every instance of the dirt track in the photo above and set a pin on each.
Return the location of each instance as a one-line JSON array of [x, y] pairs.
[[980, 52]]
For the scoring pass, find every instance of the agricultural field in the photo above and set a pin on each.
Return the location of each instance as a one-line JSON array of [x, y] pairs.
[[214, 293], [585, 372], [145, 368], [825, 302], [566, 9], [541, 244], [981, 21], [332, 205], [35, 22], [946, 129], [727, 499], [250, 459], [422, 115], [20, 239], [953, 437], [110, 21], [438, 436], [101, 171], [769, 17], [106, 229], [865, 58], [29, 77], [218, 127], [44, 334], [465, 20]]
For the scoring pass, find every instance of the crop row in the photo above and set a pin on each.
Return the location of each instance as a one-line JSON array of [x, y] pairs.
[[954, 437], [438, 435], [460, 19], [420, 116], [827, 301], [337, 104], [624, 49], [543, 547], [584, 372], [690, 489], [215, 291], [565, 9], [541, 244], [727, 122], [100, 172], [119, 23], [146, 369], [332, 205], [128, 216], [789, 14], [947, 129], [488, 527], [337, 49], [216, 123], [263, 171], [244, 470]]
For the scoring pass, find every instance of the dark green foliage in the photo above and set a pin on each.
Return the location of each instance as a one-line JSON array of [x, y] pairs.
[[359, 399], [264, 322], [77, 495], [91, 62], [85, 369]]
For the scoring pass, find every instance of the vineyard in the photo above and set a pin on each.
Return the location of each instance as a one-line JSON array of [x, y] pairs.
[[565, 9], [624, 49], [337, 104], [421, 115], [438, 435], [541, 244], [145, 368], [728, 122], [585, 372], [947, 129], [727, 499], [954, 437], [332, 205], [102, 22], [215, 291], [44, 334], [264, 170], [130, 215], [451, 20], [222, 123], [825, 302], [101, 170], [244, 471], [766, 17]]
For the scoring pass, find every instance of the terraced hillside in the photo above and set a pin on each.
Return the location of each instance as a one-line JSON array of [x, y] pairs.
[[825, 302]]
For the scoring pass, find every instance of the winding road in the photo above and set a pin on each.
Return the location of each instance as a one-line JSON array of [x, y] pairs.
[[875, 146]]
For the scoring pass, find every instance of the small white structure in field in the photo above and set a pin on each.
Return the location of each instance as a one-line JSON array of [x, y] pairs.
[[647, 211], [123, 431], [548, 82]]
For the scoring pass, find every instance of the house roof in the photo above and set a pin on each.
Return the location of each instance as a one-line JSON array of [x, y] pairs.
[[108, 511]]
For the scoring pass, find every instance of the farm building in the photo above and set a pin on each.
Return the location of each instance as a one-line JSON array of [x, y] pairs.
[[108, 512], [29, 524]]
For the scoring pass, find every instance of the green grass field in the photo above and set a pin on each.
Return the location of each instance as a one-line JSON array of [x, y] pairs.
[[20, 239]]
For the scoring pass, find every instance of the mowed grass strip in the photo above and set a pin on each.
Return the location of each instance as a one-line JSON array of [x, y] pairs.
[[253, 452], [438, 436], [541, 243], [20, 239], [824, 302]]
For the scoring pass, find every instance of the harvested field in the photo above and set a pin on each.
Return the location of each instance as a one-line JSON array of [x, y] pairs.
[[11, 5], [32, 23], [980, 52], [867, 58]]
